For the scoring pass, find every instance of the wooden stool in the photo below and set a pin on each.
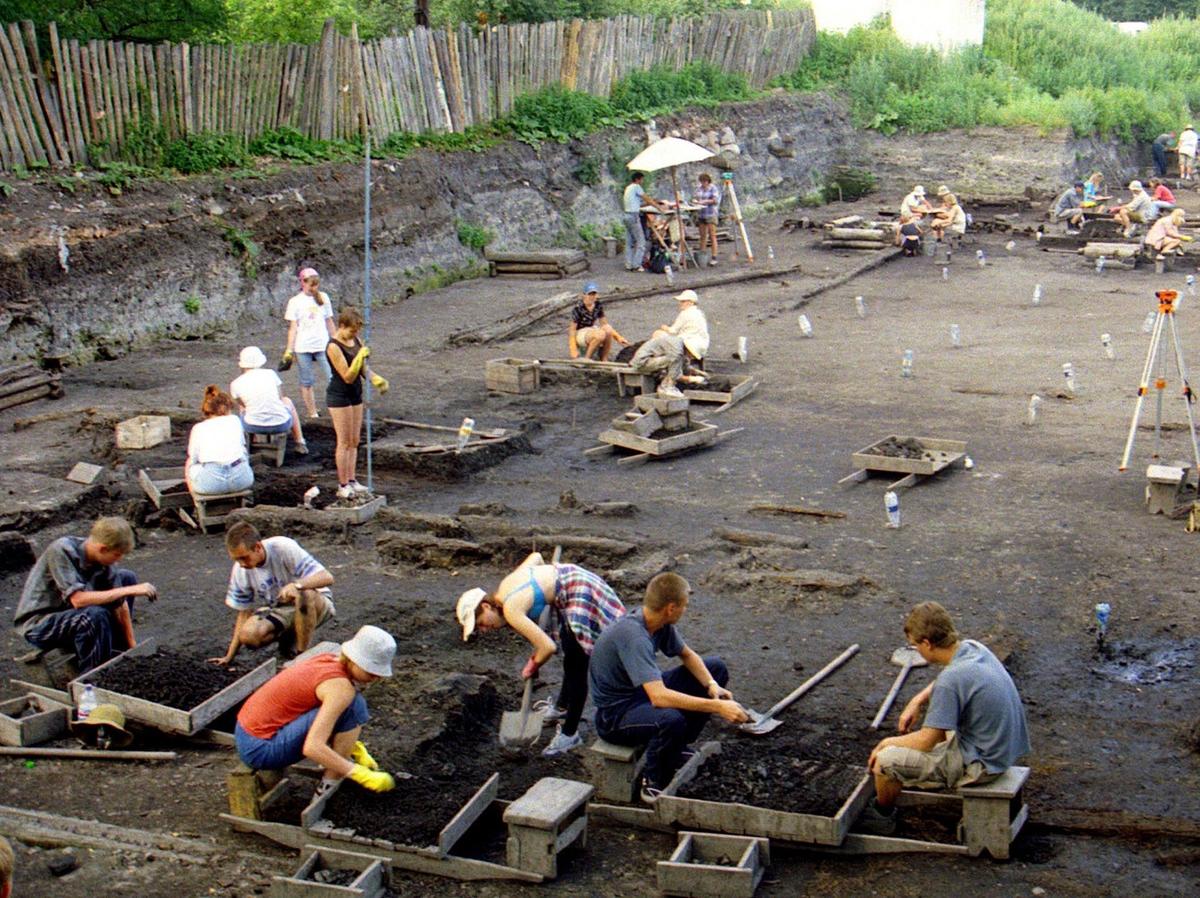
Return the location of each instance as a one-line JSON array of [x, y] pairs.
[[252, 791], [634, 382], [214, 509], [620, 772], [268, 443], [1163, 485], [993, 813], [544, 821]]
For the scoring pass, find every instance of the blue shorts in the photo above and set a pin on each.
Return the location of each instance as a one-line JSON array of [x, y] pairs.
[[305, 362], [285, 427], [287, 745]]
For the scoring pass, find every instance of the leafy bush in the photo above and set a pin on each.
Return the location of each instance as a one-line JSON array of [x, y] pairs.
[[555, 113], [198, 153], [288, 143], [659, 88], [474, 236], [847, 184]]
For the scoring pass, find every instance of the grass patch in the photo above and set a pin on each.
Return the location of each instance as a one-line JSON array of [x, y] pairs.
[[243, 245], [474, 236]]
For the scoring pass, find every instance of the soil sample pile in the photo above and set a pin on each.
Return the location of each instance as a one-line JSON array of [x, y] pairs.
[[906, 448], [413, 813], [335, 877], [166, 677]]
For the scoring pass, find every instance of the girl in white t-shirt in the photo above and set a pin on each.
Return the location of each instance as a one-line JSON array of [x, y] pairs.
[[216, 460], [310, 325], [263, 408]]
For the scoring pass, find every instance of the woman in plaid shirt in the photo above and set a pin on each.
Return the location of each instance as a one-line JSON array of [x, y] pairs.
[[708, 198], [584, 605]]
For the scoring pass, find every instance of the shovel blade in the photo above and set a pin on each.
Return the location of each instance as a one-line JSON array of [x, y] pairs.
[[908, 655], [520, 727], [759, 725]]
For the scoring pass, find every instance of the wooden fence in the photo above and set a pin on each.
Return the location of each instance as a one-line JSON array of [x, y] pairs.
[[54, 104]]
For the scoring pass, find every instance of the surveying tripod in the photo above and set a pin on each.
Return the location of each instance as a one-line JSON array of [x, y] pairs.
[[1157, 355]]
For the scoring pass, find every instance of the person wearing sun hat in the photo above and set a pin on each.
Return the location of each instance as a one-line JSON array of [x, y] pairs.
[[673, 345], [1139, 209], [589, 329], [314, 709], [1188, 139], [263, 408], [914, 206]]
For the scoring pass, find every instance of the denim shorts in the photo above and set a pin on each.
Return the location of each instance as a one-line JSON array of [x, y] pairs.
[[305, 362], [285, 427], [213, 479], [287, 745]]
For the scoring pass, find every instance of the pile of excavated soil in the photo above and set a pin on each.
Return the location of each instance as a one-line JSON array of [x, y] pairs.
[[166, 677]]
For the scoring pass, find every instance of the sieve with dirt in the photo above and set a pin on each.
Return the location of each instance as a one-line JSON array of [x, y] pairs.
[[166, 677]]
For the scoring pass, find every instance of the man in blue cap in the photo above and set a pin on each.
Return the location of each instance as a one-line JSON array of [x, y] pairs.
[[589, 330]]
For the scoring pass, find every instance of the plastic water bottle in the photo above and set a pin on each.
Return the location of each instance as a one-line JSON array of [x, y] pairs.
[[1191, 285], [771, 253], [310, 494], [670, 276], [1100, 265], [970, 219], [805, 326], [955, 336], [1148, 323], [743, 350], [949, 255], [1037, 294], [860, 307], [1034, 401], [1010, 246], [87, 702], [979, 258], [1069, 376], [464, 432], [906, 364], [946, 273], [1103, 610], [1106, 342], [892, 503]]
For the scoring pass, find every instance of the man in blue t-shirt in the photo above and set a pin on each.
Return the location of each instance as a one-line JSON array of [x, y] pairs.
[[974, 726], [638, 704], [632, 200]]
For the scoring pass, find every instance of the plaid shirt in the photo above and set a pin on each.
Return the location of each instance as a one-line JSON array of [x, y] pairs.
[[704, 195], [586, 603]]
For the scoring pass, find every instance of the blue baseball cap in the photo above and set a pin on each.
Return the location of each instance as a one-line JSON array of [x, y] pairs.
[[591, 287]]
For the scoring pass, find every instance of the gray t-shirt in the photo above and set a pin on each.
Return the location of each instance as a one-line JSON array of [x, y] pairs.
[[623, 660], [62, 571], [251, 588], [1068, 201], [975, 697]]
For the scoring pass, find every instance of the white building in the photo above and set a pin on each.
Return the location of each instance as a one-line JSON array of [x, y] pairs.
[[943, 25]]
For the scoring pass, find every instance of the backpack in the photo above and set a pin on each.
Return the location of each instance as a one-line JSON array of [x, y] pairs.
[[659, 260]]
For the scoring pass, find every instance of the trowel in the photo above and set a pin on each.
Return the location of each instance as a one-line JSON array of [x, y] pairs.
[[761, 724], [907, 658], [523, 728]]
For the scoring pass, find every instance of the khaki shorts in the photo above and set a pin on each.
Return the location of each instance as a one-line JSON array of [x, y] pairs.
[[586, 335], [283, 617], [1136, 216], [940, 768]]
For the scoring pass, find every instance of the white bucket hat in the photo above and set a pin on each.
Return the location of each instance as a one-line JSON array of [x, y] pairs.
[[918, 190], [468, 604], [1135, 185], [251, 357], [372, 649]]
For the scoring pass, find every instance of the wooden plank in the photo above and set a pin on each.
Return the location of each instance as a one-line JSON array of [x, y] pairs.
[[66, 104], [76, 754], [327, 91], [701, 435], [162, 85], [97, 117], [45, 94], [112, 94], [12, 118], [468, 814], [548, 803], [27, 106], [130, 69]]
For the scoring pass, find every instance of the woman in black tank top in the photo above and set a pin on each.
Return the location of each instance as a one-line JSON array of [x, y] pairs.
[[344, 397]]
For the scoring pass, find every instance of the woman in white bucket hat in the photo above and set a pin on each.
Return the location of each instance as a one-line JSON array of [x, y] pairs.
[[258, 391]]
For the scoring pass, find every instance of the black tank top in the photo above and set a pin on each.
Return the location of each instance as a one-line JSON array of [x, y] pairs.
[[340, 394]]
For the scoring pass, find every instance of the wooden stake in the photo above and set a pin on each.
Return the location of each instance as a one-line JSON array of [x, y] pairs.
[[81, 754]]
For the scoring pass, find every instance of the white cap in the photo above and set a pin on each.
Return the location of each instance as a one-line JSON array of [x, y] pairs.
[[918, 190], [1135, 185], [943, 190], [251, 357], [688, 296], [372, 649], [468, 604]]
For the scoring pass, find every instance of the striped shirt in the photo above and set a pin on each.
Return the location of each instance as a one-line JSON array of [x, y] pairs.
[[708, 198], [587, 604]]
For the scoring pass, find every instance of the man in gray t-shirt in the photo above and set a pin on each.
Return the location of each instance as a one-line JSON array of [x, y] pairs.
[[636, 703], [974, 726]]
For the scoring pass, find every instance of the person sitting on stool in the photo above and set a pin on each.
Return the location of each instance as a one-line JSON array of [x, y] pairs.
[[637, 704], [217, 461], [589, 329], [673, 345], [263, 407]]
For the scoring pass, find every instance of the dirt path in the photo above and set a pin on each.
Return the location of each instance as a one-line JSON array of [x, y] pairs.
[[1020, 548]]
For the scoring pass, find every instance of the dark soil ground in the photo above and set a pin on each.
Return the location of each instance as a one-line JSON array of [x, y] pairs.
[[1020, 549], [411, 814], [774, 777], [166, 677]]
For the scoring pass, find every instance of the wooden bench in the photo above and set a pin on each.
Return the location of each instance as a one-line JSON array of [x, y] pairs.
[[213, 510], [268, 443], [1163, 485], [993, 813], [620, 770], [544, 822], [252, 791]]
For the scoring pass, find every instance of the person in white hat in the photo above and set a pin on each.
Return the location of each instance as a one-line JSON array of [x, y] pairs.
[[673, 345], [914, 207], [315, 709], [585, 606], [263, 408], [1140, 208]]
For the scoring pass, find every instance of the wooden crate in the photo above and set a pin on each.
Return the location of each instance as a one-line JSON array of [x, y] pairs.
[[173, 720], [740, 386], [374, 875], [312, 819], [165, 487], [700, 435], [513, 375], [944, 452], [143, 432], [49, 721], [748, 820], [693, 870]]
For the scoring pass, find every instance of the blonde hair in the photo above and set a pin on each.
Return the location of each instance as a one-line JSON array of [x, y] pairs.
[[1178, 216], [949, 199], [666, 589], [112, 533]]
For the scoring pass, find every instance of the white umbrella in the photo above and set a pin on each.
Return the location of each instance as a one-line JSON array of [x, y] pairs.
[[670, 152]]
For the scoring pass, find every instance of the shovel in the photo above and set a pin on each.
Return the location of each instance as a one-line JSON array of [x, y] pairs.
[[907, 658], [524, 727], [761, 724]]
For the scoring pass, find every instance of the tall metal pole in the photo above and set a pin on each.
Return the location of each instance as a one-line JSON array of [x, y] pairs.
[[367, 289]]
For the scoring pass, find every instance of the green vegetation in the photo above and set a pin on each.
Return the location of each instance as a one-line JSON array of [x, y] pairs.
[[290, 144], [443, 277], [244, 246], [847, 184], [474, 236], [191, 305], [6, 189], [204, 152]]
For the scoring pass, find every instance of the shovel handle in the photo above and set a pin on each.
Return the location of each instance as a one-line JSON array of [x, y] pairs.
[[813, 680], [891, 696], [525, 698]]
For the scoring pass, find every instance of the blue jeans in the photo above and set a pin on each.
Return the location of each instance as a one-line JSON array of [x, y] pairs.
[[635, 240], [285, 427], [664, 731], [213, 479], [1160, 159], [304, 364], [286, 747], [91, 632]]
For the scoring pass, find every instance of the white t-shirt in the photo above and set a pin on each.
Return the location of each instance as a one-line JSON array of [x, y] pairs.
[[286, 561], [312, 334], [692, 327], [220, 440], [258, 390], [1187, 142]]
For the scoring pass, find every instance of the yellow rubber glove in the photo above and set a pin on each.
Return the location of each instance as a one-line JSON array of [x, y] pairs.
[[360, 755], [379, 383], [359, 360], [373, 780]]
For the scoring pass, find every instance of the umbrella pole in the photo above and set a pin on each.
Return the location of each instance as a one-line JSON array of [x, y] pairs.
[[683, 250]]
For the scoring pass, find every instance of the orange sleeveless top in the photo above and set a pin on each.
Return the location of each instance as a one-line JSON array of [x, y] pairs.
[[287, 695]]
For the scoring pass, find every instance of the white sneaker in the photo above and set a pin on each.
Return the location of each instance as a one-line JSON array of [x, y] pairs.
[[670, 391], [358, 488], [561, 744], [550, 712], [345, 492]]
